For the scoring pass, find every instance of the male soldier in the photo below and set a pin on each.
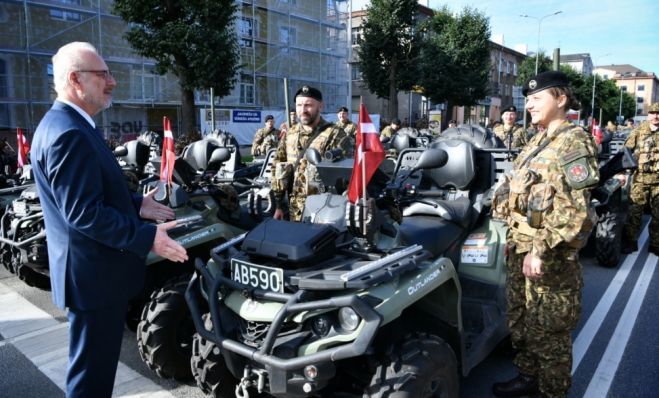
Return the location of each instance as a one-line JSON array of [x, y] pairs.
[[390, 130], [510, 133], [265, 138], [345, 123], [643, 141], [291, 172]]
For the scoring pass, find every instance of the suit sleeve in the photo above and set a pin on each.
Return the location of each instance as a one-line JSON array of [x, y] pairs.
[[75, 178]]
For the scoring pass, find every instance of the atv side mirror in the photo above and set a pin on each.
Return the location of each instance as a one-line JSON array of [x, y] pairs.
[[120, 150], [313, 156], [431, 159], [219, 156]]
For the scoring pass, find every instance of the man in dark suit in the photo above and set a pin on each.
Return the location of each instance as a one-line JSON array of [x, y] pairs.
[[97, 243]]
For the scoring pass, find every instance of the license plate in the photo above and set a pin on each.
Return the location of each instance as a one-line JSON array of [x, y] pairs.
[[258, 276]]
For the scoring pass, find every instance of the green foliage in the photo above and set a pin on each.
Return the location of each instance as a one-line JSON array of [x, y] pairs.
[[195, 40], [389, 51], [527, 68], [455, 57]]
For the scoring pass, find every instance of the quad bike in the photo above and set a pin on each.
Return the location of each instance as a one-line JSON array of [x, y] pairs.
[[165, 329], [395, 295], [611, 201]]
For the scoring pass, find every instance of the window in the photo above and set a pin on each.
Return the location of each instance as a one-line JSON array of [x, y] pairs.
[[623, 88], [65, 15], [246, 93], [287, 35], [357, 35], [356, 73], [246, 26], [4, 93], [639, 100], [143, 85], [514, 69], [641, 87], [508, 67]]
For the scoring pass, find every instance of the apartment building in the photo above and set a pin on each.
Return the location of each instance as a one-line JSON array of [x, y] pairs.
[[302, 40], [643, 86]]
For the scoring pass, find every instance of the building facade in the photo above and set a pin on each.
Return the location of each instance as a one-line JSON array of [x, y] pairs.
[[643, 86], [581, 63], [302, 40]]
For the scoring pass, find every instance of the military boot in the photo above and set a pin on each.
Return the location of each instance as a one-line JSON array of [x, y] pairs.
[[519, 386], [628, 247]]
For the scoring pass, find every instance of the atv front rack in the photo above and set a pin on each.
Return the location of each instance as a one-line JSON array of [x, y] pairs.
[[358, 276]]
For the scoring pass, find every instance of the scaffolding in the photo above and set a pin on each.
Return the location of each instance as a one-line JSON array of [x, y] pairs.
[[302, 40]]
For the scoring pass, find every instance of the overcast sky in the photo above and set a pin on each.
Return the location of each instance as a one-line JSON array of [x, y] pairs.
[[613, 32]]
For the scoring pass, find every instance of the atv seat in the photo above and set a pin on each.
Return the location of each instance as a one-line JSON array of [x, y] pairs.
[[435, 234], [459, 210]]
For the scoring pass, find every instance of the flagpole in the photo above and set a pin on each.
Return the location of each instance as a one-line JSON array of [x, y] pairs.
[[361, 154]]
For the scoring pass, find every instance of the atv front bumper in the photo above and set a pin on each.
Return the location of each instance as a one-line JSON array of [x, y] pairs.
[[286, 376]]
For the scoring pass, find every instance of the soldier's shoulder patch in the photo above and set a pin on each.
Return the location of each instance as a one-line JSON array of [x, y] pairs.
[[573, 154], [577, 172]]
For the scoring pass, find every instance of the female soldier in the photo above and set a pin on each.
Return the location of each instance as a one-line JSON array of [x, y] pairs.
[[549, 220]]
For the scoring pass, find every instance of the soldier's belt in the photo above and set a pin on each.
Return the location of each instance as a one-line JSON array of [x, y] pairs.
[[520, 224]]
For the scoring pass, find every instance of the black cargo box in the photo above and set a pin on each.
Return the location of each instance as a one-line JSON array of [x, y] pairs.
[[292, 242]]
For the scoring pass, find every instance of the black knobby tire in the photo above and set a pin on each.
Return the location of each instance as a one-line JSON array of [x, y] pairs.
[[33, 278], [608, 239], [208, 367], [420, 366], [164, 334]]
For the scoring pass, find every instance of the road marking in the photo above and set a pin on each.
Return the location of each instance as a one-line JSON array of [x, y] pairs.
[[44, 341], [592, 326], [606, 370]]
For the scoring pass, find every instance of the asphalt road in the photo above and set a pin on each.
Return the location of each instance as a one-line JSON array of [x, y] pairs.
[[616, 347]]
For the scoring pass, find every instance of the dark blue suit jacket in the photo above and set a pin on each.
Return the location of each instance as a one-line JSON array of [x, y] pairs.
[[97, 244]]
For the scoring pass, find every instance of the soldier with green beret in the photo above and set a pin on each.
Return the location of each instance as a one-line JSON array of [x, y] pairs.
[[547, 207], [643, 142], [292, 174]]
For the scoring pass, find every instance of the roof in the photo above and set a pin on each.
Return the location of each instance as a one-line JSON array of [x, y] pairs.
[[620, 69]]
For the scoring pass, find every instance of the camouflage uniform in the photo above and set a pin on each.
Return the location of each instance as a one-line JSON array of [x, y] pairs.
[[548, 212], [349, 127], [292, 174], [387, 132], [264, 140], [514, 137], [645, 186]]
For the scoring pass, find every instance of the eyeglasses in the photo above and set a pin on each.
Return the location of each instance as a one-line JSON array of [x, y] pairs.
[[102, 73]]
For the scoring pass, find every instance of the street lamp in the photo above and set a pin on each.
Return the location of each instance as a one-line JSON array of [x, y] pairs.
[[537, 53], [620, 107]]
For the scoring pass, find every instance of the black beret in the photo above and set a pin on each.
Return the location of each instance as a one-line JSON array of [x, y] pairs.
[[308, 91], [545, 80], [511, 108], [342, 109], [269, 117]]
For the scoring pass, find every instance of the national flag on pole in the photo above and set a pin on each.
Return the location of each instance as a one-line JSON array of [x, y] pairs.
[[597, 132], [168, 154], [23, 148], [368, 155]]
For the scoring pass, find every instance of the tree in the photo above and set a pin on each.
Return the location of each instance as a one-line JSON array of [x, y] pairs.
[[388, 54], [527, 68], [455, 57], [194, 40]]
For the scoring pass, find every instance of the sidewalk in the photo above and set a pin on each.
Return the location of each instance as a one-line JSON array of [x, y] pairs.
[[43, 341]]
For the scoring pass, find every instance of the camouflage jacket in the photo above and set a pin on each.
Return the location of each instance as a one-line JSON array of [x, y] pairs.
[[643, 143], [387, 132], [515, 136], [549, 199], [264, 140], [349, 127], [290, 170]]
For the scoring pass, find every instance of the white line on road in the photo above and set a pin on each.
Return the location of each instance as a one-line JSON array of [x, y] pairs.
[[44, 341], [606, 370], [594, 322]]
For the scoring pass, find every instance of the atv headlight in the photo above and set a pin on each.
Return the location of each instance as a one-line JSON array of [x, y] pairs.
[[348, 319]]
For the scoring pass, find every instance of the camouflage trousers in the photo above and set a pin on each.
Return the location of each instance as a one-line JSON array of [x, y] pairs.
[[541, 315], [642, 195], [296, 206]]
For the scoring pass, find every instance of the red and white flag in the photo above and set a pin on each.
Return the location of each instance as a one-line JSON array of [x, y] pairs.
[[23, 148], [368, 155], [168, 154]]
